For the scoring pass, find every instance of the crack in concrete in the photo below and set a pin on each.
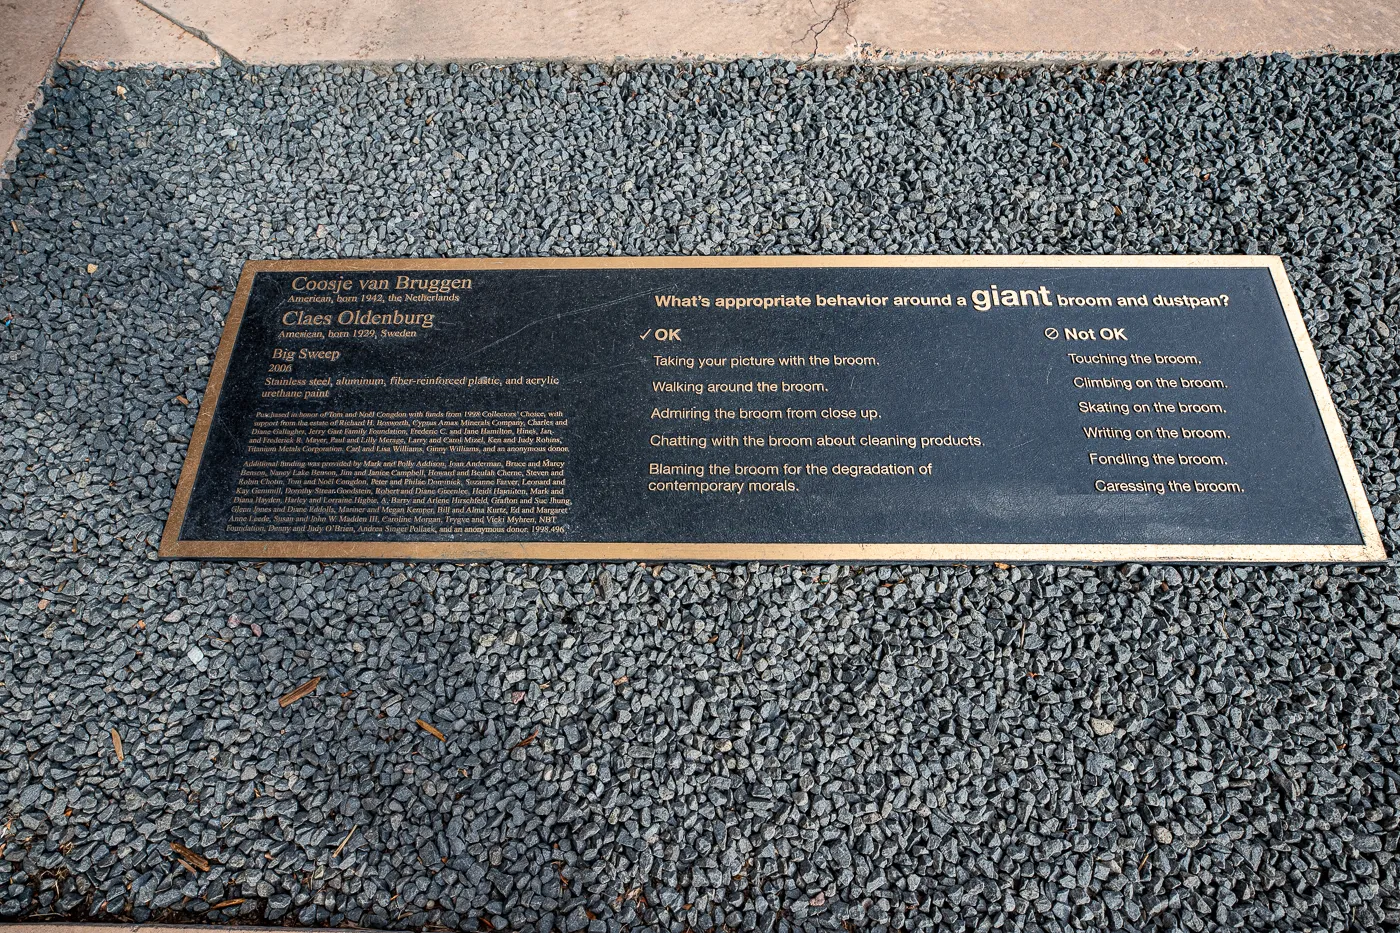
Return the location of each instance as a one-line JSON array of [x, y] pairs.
[[199, 34], [841, 9]]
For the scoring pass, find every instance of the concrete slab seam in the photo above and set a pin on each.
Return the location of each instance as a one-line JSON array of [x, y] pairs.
[[199, 34]]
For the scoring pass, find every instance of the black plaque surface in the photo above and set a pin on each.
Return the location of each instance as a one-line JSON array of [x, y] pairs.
[[772, 408]]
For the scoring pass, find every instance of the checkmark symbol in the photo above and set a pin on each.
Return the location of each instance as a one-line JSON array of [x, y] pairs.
[[646, 335]]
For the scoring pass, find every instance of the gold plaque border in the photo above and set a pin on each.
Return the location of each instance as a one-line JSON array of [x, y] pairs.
[[1370, 550]]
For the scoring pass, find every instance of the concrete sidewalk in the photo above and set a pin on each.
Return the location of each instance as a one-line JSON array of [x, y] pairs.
[[269, 32]]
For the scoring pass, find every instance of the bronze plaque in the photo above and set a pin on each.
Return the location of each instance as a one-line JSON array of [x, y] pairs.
[[876, 408]]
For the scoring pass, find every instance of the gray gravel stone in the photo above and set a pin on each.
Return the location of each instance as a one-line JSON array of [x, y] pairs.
[[793, 747]]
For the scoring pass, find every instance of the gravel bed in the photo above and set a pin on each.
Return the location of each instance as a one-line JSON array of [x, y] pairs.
[[676, 747]]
